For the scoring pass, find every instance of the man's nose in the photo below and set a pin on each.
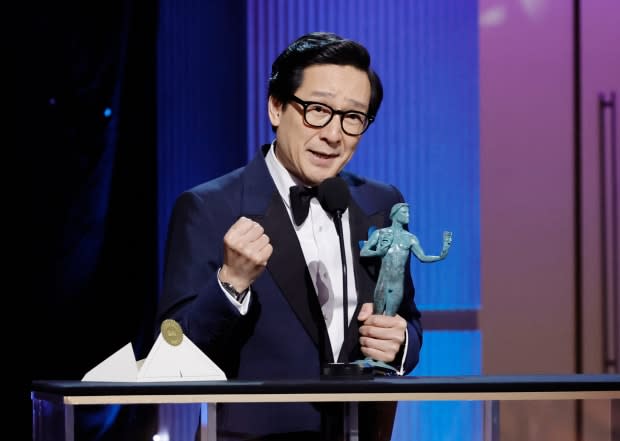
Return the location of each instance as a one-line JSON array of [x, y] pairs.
[[332, 132]]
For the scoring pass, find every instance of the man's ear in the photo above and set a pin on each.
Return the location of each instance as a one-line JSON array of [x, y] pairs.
[[275, 111]]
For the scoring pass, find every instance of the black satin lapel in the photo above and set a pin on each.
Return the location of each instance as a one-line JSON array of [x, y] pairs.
[[365, 270], [288, 268]]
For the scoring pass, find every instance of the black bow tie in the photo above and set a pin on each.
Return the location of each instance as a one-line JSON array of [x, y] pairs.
[[300, 202]]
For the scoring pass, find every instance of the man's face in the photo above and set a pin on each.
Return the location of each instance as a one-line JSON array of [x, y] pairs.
[[314, 154]]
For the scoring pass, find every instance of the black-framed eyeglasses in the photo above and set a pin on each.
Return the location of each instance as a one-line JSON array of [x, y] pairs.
[[318, 115]]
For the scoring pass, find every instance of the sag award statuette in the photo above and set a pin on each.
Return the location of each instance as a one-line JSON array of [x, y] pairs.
[[393, 244], [171, 332]]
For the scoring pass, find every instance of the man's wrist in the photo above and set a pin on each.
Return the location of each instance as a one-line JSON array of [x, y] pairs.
[[230, 288], [238, 296]]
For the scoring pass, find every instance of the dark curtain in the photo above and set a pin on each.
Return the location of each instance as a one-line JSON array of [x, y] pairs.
[[86, 126]]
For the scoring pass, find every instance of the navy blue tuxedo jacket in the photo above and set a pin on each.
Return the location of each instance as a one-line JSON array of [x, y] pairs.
[[283, 335]]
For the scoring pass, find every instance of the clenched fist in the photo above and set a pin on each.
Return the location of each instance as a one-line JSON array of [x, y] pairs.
[[246, 252]]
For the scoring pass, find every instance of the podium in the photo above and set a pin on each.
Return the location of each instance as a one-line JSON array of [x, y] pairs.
[[54, 401]]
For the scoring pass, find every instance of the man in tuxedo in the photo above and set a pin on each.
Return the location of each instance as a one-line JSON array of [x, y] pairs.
[[256, 280]]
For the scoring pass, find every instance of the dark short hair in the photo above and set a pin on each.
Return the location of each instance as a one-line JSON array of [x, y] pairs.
[[321, 48]]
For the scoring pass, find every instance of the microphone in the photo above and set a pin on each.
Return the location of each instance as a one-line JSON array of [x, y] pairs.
[[334, 196]]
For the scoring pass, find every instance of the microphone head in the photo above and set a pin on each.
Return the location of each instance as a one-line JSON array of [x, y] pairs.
[[333, 195]]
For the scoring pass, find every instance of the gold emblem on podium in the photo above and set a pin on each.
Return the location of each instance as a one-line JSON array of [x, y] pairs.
[[172, 332]]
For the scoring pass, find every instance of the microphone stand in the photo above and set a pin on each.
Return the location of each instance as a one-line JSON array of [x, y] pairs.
[[333, 195], [345, 285], [340, 421], [345, 369]]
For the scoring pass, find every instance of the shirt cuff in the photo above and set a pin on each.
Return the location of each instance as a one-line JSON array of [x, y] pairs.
[[401, 371], [241, 306]]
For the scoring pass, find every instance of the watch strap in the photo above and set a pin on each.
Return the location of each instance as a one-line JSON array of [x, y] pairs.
[[238, 296]]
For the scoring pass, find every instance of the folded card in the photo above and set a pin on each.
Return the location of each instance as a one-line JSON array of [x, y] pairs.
[[173, 357]]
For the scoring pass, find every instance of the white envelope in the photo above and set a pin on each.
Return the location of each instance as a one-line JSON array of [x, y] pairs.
[[165, 362]]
